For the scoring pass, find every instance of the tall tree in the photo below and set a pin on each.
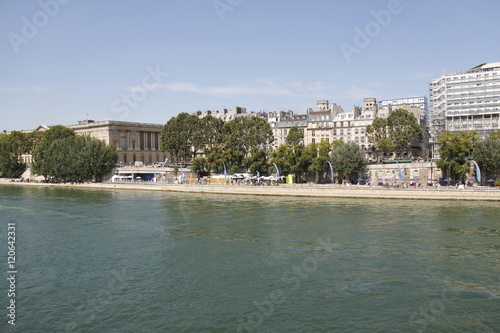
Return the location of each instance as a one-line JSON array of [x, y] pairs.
[[181, 136], [200, 166], [79, 158], [243, 133], [487, 155], [319, 165], [286, 159], [218, 157], [295, 136], [378, 135], [403, 129], [455, 149], [40, 165], [10, 164], [348, 159], [308, 160], [211, 128], [257, 161]]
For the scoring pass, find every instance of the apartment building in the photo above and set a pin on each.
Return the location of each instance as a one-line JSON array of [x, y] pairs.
[[465, 101], [320, 122], [281, 123]]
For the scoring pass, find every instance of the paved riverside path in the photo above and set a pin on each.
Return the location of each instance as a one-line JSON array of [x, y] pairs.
[[300, 190]]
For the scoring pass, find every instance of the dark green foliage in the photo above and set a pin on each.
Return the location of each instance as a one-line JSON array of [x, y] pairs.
[[78, 159], [11, 147], [295, 136], [455, 149], [286, 158], [181, 136], [243, 133], [211, 131], [257, 161], [377, 131], [348, 159], [403, 129], [487, 155], [40, 165], [10, 165], [200, 166], [319, 165], [397, 132], [217, 157]]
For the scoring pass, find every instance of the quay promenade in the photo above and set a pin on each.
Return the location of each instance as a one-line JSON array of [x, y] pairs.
[[298, 190]]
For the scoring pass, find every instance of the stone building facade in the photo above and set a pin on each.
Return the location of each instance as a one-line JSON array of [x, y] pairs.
[[281, 123], [135, 142]]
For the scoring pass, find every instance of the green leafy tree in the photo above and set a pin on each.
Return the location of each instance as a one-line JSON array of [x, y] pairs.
[[377, 130], [200, 166], [10, 165], [319, 165], [378, 135], [308, 161], [286, 159], [398, 132], [79, 158], [40, 165], [211, 129], [243, 133], [487, 155], [181, 136], [98, 158], [295, 136], [257, 161], [455, 150], [233, 159], [403, 129], [348, 159]]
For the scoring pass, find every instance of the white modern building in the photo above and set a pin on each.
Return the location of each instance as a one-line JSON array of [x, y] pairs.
[[420, 101], [465, 101]]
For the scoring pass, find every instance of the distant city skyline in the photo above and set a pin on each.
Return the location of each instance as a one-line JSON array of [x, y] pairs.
[[65, 61]]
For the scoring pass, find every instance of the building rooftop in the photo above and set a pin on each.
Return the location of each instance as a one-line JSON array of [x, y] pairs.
[[484, 67], [91, 123]]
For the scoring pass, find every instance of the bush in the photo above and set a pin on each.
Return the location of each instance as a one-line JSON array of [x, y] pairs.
[[496, 183]]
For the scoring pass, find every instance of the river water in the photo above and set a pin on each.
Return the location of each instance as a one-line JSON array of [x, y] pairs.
[[92, 260]]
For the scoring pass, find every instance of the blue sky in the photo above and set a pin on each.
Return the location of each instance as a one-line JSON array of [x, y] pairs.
[[147, 61]]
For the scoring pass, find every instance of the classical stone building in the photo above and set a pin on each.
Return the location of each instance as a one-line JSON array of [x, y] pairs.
[[135, 142], [320, 122]]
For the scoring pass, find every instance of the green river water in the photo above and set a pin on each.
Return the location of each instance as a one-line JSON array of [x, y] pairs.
[[138, 261]]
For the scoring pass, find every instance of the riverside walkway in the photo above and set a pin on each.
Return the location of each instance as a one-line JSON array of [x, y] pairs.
[[299, 190]]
